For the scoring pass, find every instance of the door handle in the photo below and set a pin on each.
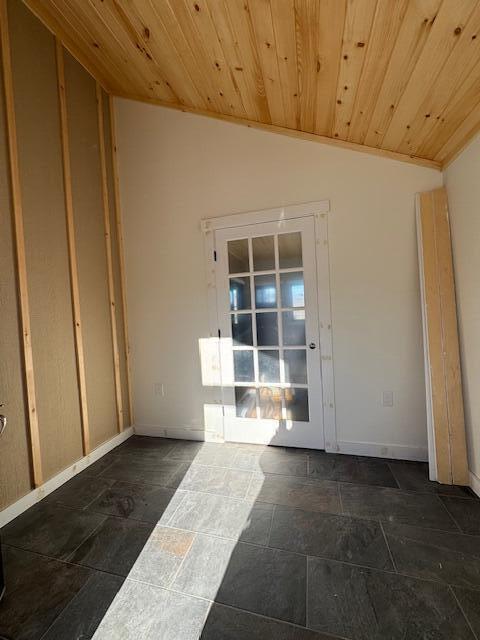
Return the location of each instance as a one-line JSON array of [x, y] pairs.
[[312, 345], [3, 424]]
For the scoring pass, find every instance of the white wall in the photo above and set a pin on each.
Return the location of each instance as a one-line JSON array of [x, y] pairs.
[[462, 178], [178, 168]]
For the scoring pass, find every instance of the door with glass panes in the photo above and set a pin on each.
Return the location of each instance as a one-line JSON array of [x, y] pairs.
[[268, 319]]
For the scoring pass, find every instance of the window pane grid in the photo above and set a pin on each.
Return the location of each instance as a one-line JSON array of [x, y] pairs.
[[262, 399], [266, 272]]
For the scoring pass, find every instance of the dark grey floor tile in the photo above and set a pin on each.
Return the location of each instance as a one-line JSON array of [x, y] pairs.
[[37, 590], [330, 536], [98, 467], [265, 581], [470, 602], [364, 604], [84, 613], [205, 566], [393, 505], [271, 462], [79, 492], [296, 492], [344, 468], [50, 529], [258, 525], [226, 517], [114, 546], [225, 623], [453, 558], [223, 482], [144, 444], [151, 613], [413, 476], [466, 513], [161, 556], [140, 471], [141, 502]]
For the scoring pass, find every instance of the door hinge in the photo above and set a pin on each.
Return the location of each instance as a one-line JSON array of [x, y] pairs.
[[214, 256], [219, 333]]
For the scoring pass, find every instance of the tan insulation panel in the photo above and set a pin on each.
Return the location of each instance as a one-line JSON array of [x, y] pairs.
[[15, 475], [117, 279], [91, 253], [41, 177]]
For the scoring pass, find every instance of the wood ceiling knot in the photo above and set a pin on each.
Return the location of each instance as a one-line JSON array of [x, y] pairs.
[[397, 78]]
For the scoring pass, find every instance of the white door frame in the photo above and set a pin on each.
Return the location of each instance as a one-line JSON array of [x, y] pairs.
[[318, 210]]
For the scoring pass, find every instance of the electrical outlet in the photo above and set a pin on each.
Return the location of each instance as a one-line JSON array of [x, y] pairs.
[[387, 399], [159, 389]]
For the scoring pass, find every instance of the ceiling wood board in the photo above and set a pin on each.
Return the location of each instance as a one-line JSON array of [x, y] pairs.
[[394, 77]]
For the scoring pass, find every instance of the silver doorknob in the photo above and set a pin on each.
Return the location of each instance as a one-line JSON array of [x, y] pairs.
[[312, 345]]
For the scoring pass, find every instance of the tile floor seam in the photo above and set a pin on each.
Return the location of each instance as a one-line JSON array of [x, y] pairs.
[[274, 507], [306, 592], [389, 465], [67, 562], [251, 544], [317, 557], [342, 511], [454, 595], [92, 533], [68, 604], [388, 547], [450, 515], [229, 606], [175, 576]]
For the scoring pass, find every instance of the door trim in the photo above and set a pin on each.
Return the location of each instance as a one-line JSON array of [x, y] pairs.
[[319, 211]]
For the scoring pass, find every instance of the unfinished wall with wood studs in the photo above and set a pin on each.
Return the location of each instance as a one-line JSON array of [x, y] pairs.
[[63, 366]]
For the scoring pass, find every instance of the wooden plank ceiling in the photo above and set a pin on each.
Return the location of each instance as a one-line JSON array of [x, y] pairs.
[[394, 76]]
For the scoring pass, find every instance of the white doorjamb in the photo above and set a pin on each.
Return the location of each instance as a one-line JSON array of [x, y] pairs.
[[318, 210]]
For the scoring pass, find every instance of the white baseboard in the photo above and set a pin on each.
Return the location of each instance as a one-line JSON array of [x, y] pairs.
[[475, 483], [372, 449], [379, 450], [181, 433], [38, 494]]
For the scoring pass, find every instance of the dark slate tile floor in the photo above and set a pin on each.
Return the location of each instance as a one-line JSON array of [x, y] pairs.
[[185, 541]]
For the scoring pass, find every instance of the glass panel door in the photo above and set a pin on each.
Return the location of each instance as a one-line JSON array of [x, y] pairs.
[[267, 303]]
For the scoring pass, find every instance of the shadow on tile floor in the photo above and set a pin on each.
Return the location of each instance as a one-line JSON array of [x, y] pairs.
[[182, 540]]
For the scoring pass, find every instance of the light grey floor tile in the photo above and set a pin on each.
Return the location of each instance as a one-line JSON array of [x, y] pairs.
[[205, 566], [226, 517], [145, 612], [161, 556], [223, 482]]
